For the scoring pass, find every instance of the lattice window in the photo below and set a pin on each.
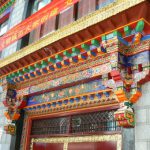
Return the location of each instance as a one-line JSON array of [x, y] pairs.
[[94, 122], [83, 123], [50, 126]]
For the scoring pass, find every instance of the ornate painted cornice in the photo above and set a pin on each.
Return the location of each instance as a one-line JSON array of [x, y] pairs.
[[101, 99], [90, 63], [72, 28], [94, 61]]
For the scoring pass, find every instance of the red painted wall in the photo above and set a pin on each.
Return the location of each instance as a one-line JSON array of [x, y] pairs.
[[47, 146], [93, 146], [77, 146]]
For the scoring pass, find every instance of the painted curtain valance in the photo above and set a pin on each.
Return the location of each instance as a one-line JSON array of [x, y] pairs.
[[34, 21]]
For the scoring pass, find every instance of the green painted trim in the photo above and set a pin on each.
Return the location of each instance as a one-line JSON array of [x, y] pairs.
[[66, 53], [95, 43], [85, 47], [140, 26], [127, 30], [51, 60], [58, 57], [31, 68], [37, 66]]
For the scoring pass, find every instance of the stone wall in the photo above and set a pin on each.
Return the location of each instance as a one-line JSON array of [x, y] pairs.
[[17, 15], [142, 128], [128, 139], [5, 139]]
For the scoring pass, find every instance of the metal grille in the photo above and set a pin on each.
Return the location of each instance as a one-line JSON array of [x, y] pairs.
[[50, 126], [84, 123], [94, 122]]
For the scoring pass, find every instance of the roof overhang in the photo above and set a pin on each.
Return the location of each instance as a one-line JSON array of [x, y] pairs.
[[115, 16]]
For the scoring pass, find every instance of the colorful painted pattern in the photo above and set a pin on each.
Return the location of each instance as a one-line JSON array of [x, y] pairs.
[[140, 58], [92, 72], [67, 92], [77, 67], [6, 5], [134, 49], [112, 57]]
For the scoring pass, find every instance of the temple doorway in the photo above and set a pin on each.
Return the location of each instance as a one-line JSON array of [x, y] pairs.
[[89, 131]]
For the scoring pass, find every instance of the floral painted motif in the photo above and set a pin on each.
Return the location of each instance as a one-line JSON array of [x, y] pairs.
[[89, 73], [67, 92]]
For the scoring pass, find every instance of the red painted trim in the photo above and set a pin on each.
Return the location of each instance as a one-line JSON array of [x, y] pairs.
[[27, 141], [77, 134]]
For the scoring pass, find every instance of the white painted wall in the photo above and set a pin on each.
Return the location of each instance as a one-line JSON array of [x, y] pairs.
[[5, 139], [142, 128]]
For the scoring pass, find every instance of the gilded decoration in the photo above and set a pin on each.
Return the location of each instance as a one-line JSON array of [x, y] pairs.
[[72, 28], [66, 140]]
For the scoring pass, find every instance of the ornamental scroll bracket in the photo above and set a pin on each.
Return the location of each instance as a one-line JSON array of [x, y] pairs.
[[130, 69], [12, 103]]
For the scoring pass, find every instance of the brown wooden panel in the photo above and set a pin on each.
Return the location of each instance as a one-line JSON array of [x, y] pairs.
[[54, 146], [66, 17], [48, 26], [93, 146], [35, 35], [42, 30], [39, 146], [101, 1], [85, 7]]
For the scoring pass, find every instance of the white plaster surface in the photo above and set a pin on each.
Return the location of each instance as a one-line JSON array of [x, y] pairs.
[[141, 116], [142, 128], [141, 146]]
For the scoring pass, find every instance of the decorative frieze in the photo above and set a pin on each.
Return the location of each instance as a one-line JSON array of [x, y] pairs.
[[93, 99], [86, 74]]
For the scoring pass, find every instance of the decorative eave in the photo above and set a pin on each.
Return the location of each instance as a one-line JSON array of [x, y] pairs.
[[76, 102], [72, 28]]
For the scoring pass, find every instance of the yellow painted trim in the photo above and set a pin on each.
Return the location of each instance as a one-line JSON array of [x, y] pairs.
[[92, 138], [146, 21], [74, 110]]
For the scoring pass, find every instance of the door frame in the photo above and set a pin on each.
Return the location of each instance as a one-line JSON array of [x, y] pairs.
[[28, 123], [92, 138]]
